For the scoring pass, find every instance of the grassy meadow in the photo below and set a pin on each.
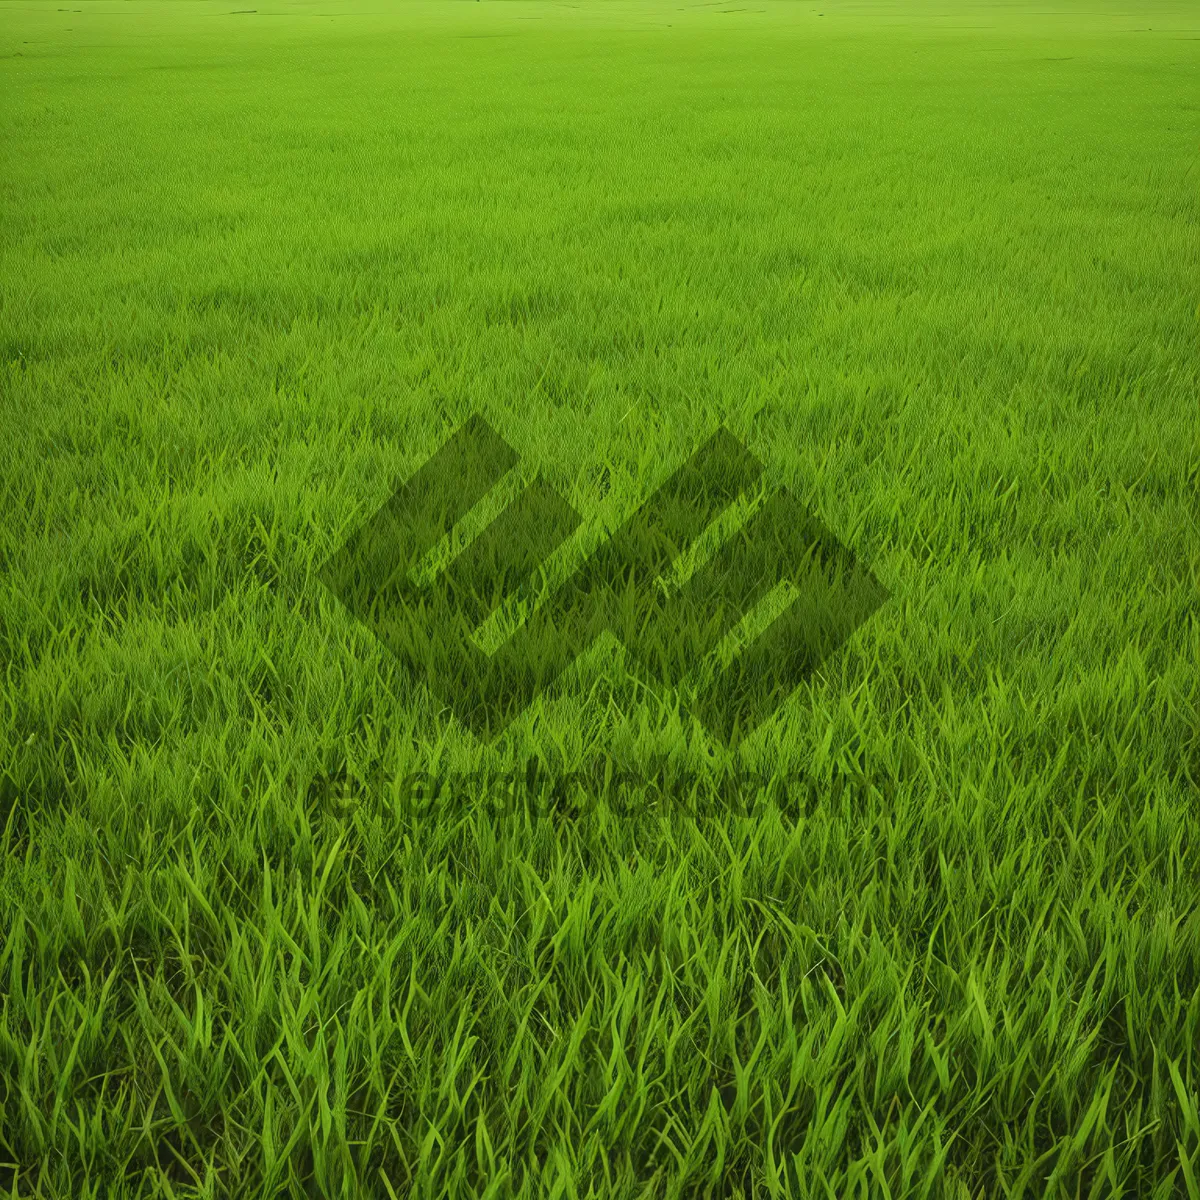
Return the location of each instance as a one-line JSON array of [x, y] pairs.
[[937, 266]]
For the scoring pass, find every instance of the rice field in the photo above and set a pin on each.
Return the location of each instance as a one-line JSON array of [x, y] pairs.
[[274, 921]]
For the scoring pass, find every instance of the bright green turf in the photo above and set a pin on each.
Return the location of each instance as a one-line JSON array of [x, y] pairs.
[[936, 265]]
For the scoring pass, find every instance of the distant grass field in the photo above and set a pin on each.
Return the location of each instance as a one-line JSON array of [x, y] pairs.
[[936, 266]]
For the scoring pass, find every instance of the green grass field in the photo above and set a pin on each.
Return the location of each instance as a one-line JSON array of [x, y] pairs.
[[936, 265]]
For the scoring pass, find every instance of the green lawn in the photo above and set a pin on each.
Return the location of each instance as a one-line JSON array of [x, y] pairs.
[[936, 266]]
